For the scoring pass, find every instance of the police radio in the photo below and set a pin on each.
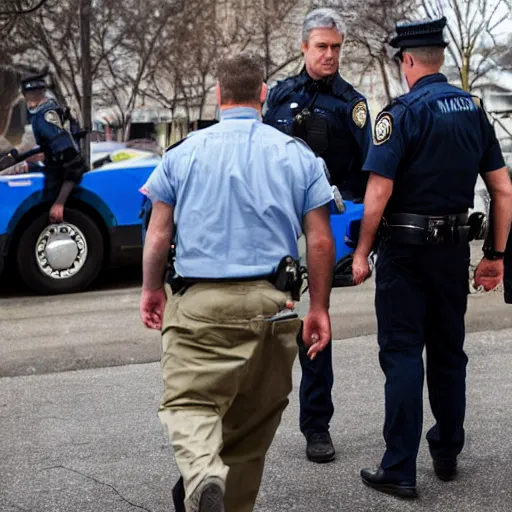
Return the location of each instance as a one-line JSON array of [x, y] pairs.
[[311, 128]]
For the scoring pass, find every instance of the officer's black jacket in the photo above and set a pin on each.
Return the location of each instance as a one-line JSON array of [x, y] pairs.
[[346, 131]]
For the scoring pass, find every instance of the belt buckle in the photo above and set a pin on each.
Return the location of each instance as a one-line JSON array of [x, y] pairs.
[[433, 235]]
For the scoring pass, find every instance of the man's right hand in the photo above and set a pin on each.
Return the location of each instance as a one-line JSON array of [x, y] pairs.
[[152, 307], [316, 331], [489, 274]]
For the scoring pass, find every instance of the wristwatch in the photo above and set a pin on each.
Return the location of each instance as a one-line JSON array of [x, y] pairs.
[[493, 255]]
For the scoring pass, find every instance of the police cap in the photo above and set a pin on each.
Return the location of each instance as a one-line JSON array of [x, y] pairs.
[[419, 34], [34, 81]]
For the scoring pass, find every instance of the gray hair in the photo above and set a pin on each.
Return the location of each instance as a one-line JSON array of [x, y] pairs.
[[322, 18]]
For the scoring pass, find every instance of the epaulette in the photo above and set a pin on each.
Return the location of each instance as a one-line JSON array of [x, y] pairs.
[[344, 90], [284, 88]]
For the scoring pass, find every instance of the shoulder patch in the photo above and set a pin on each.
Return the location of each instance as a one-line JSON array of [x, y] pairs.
[[52, 117], [383, 129], [360, 114]]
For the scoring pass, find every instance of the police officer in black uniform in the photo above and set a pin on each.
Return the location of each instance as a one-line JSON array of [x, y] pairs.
[[324, 110], [429, 147], [57, 134]]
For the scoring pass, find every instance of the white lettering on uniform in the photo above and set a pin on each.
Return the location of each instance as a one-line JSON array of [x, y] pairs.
[[454, 105]]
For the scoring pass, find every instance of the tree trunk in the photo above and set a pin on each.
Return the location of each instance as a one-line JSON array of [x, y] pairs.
[[385, 78], [85, 43], [9, 93], [464, 73]]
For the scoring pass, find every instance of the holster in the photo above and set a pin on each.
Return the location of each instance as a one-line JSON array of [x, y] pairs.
[[289, 276]]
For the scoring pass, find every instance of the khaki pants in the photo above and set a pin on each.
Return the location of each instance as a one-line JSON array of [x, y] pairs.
[[227, 376]]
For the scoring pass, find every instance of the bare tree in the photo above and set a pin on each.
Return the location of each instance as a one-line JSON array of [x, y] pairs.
[[127, 68], [371, 25], [473, 29], [11, 10]]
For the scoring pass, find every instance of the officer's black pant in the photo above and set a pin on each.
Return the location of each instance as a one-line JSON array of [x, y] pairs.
[[421, 300], [316, 407]]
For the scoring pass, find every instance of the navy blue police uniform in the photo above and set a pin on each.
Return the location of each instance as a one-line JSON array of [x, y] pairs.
[[55, 132], [433, 142], [332, 117]]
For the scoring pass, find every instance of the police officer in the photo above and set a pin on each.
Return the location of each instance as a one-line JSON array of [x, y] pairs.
[[429, 147], [241, 193], [323, 109], [51, 125]]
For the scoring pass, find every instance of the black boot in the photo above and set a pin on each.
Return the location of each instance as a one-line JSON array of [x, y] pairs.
[[320, 447], [445, 469], [379, 481]]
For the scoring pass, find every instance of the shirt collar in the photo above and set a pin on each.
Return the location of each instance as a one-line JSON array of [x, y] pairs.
[[429, 79], [239, 113]]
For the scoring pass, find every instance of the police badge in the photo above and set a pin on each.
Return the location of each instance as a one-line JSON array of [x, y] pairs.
[[52, 117], [383, 129], [360, 114]]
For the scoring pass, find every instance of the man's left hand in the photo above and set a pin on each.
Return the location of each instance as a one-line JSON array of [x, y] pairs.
[[360, 268], [152, 306], [489, 274], [57, 213]]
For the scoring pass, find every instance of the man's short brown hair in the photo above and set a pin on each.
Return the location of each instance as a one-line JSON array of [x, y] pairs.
[[240, 78]]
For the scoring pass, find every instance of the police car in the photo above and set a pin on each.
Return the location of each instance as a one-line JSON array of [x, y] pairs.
[[102, 223]]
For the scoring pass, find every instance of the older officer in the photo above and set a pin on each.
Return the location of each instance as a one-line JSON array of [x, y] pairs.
[[323, 109], [430, 146], [63, 163], [240, 193]]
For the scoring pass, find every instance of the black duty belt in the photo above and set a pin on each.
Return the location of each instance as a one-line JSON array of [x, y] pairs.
[[414, 229]]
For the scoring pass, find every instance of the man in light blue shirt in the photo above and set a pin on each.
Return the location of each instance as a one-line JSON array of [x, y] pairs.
[[241, 193]]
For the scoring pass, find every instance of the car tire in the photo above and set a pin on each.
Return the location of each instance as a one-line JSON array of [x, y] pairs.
[[38, 249]]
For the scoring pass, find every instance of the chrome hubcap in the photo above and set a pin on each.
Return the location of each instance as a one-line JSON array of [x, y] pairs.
[[61, 251]]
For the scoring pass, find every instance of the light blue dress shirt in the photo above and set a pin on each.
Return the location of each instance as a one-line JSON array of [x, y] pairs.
[[240, 190]]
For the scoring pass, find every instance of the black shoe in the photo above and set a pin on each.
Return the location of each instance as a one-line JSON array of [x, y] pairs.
[[320, 447], [377, 479], [208, 497], [445, 469], [212, 499]]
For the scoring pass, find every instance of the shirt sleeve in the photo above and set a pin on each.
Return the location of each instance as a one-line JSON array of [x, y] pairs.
[[492, 158], [160, 185], [318, 191], [389, 144]]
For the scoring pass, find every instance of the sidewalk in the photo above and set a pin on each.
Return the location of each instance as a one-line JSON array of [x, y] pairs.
[[90, 441]]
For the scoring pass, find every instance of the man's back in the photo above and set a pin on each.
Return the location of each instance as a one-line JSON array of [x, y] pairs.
[[240, 190], [438, 141]]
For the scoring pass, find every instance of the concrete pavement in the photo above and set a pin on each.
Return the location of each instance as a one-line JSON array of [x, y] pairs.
[[90, 441], [102, 328]]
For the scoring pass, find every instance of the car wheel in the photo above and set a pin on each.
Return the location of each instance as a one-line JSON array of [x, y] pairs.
[[60, 258]]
